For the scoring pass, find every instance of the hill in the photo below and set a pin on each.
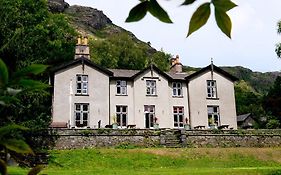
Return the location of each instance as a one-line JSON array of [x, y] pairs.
[[92, 22]]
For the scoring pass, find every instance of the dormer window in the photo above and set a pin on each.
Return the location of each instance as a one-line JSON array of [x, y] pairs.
[[121, 87], [150, 87], [177, 89], [82, 84], [211, 89]]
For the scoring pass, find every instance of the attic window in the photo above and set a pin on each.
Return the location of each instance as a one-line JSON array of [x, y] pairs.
[[82, 84], [121, 87], [211, 89]]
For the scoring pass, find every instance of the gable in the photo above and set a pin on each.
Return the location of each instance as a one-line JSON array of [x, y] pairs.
[[81, 61], [215, 69], [152, 69]]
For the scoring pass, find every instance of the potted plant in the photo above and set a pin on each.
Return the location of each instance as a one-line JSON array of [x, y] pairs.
[[114, 122], [186, 124], [155, 124], [211, 123]]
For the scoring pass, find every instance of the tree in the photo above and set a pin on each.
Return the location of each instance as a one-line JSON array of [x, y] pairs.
[[198, 19], [278, 46], [249, 101], [121, 51], [272, 101], [31, 34], [11, 85]]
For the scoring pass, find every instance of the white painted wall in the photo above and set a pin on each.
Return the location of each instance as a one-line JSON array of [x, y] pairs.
[[98, 98], [122, 100], [199, 102]]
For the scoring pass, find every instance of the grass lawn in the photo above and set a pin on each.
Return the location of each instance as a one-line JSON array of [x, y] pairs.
[[163, 161]]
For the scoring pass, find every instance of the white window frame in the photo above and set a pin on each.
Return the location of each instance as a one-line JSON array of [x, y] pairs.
[[177, 89], [81, 114], [178, 113], [211, 89], [149, 116], [122, 86], [213, 116], [82, 84], [151, 87], [121, 114]]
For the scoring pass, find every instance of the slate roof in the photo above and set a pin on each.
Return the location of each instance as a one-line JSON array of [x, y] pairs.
[[132, 74], [243, 117], [178, 76], [124, 73]]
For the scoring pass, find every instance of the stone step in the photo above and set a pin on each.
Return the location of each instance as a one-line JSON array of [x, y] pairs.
[[173, 146], [172, 142]]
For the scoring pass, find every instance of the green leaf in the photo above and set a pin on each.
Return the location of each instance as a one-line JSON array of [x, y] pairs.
[[3, 167], [4, 75], [32, 84], [224, 5], [34, 69], [18, 146], [6, 130], [223, 22], [8, 100], [157, 11], [188, 2], [199, 18], [36, 170], [138, 12]]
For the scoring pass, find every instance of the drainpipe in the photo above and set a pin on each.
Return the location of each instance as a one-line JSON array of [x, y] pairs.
[[70, 102], [109, 102], [188, 101]]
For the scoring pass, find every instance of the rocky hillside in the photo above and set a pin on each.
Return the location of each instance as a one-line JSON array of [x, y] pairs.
[[93, 22]]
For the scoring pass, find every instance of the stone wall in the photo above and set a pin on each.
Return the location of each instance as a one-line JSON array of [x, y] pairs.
[[78, 138]]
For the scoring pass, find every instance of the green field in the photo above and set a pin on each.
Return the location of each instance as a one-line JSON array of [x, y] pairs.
[[163, 161]]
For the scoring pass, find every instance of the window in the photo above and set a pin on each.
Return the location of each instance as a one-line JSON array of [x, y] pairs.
[[177, 89], [121, 116], [149, 114], [178, 116], [211, 89], [82, 84], [150, 87], [121, 87], [81, 114], [213, 116]]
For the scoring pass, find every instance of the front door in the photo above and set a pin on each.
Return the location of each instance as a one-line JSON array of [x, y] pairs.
[[149, 113]]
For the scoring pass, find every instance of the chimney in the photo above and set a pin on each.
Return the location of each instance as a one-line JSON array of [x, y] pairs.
[[82, 48], [176, 66]]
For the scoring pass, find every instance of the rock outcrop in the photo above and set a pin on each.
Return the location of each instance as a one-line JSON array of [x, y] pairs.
[[88, 16], [57, 6]]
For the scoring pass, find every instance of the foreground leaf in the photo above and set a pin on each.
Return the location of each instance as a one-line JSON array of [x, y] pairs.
[[4, 75], [199, 18], [18, 146], [223, 22], [157, 11], [36, 170], [187, 2], [6, 130], [224, 5], [34, 69], [8, 100], [32, 84], [138, 12], [3, 167]]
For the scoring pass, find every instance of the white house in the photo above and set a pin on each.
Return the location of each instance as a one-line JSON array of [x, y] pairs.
[[88, 96]]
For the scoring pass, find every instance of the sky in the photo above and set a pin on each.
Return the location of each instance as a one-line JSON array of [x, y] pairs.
[[254, 32]]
